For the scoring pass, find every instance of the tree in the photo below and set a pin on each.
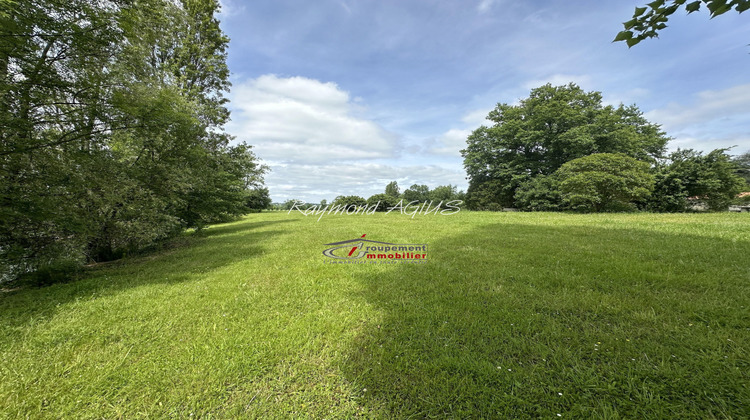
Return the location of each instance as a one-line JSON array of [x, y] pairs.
[[292, 203], [444, 193], [743, 167], [349, 201], [258, 199], [382, 201], [541, 193], [420, 193], [670, 194], [604, 181], [549, 128], [112, 139], [647, 21], [392, 189], [486, 195], [711, 178]]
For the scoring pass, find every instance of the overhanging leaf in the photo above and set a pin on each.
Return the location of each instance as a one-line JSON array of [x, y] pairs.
[[656, 4], [693, 7], [623, 36], [632, 41]]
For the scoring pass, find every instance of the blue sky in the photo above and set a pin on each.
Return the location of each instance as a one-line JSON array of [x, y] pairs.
[[341, 97]]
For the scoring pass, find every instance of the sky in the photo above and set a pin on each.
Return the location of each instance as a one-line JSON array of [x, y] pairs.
[[341, 97]]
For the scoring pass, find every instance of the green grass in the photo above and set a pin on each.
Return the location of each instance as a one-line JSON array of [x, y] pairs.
[[514, 315]]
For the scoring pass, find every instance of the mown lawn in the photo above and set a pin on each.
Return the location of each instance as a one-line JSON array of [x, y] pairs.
[[515, 315]]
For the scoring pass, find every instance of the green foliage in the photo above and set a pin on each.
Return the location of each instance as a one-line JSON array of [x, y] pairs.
[[420, 193], [670, 194], [112, 140], [382, 201], [487, 195], [743, 168], [541, 193], [292, 203], [648, 21], [712, 178], [552, 126], [57, 271], [392, 189], [258, 199], [349, 200], [444, 193], [604, 181]]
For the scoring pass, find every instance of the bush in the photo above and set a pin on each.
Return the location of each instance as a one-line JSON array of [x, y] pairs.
[[605, 182], [539, 194], [669, 194], [56, 272], [383, 201]]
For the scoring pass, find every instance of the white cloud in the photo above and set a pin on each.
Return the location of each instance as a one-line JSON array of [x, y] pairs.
[[229, 8], [706, 144], [476, 118], [582, 80], [713, 119], [318, 145], [709, 105], [627, 97], [452, 141], [303, 120]]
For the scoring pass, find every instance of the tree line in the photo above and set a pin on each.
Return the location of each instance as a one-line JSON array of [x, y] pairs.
[[562, 149], [111, 130], [389, 198]]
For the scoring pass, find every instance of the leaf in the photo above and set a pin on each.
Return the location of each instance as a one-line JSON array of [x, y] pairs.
[[693, 7], [623, 36], [632, 41], [656, 4], [639, 11], [629, 24], [721, 10], [717, 7]]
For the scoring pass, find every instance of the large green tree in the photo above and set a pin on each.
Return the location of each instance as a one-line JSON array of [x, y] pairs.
[[112, 117], [554, 125]]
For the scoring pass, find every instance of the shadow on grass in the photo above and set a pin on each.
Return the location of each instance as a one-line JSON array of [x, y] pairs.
[[514, 321], [213, 249], [238, 227]]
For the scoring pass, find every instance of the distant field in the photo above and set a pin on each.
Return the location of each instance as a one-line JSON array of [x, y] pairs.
[[514, 315]]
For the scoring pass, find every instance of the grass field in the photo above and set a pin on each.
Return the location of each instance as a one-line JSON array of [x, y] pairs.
[[514, 315]]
